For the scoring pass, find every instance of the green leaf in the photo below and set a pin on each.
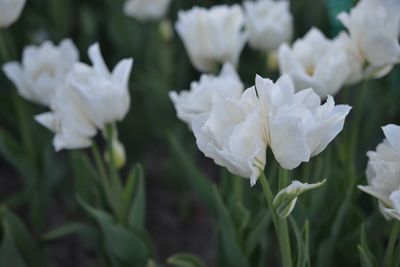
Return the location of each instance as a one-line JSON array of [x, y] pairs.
[[199, 182], [230, 243], [366, 257], [257, 231], [122, 244], [365, 260], [11, 151], [23, 240], [185, 260], [65, 230], [84, 174], [136, 198], [302, 239], [9, 253]]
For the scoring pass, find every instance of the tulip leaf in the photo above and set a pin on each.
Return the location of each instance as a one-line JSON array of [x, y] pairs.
[[365, 260], [9, 253], [11, 151], [257, 230], [185, 260], [23, 240], [136, 216], [199, 182], [65, 230], [302, 239], [84, 174], [122, 244], [230, 242], [366, 257]]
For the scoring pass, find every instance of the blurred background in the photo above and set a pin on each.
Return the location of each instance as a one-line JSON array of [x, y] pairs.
[[176, 219]]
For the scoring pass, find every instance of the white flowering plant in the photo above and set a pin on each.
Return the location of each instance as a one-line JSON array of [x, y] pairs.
[[150, 133]]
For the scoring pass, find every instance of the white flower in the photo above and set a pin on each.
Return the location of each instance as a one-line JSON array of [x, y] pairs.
[[90, 98], [269, 23], [212, 36], [316, 62], [206, 92], [374, 27], [10, 10], [232, 136], [105, 93], [296, 126], [42, 70], [285, 200], [383, 173], [69, 120], [146, 10]]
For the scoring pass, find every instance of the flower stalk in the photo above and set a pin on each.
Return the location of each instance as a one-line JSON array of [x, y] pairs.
[[280, 224], [394, 236]]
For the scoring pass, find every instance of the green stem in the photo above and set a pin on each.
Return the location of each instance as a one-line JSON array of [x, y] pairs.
[[280, 225], [109, 190], [394, 235], [3, 46], [115, 179]]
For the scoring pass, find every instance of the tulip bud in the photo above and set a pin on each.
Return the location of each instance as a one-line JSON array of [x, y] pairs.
[[118, 152], [165, 29], [272, 60], [285, 200]]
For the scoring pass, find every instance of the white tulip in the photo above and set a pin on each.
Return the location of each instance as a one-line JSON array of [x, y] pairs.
[[206, 92], [232, 136], [10, 10], [90, 98], [296, 126], [285, 201], [42, 70], [69, 120], [212, 36], [105, 93], [316, 62], [383, 173], [146, 10], [374, 26], [269, 23]]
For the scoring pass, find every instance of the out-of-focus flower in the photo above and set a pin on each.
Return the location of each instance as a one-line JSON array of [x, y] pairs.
[[383, 173], [374, 27], [206, 92], [232, 136], [42, 70], [90, 98], [296, 126], [69, 120], [269, 23], [146, 10], [105, 93], [212, 36], [316, 62], [10, 10], [285, 201]]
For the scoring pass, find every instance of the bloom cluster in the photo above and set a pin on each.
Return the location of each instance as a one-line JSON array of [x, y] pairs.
[[217, 35], [235, 129], [82, 98], [369, 49]]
